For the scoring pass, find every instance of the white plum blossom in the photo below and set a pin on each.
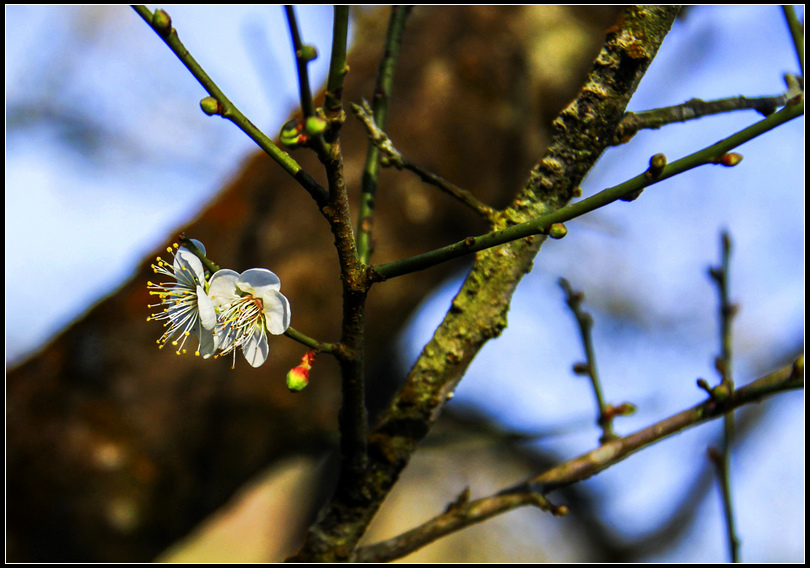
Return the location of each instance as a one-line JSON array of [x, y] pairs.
[[186, 306], [248, 307]]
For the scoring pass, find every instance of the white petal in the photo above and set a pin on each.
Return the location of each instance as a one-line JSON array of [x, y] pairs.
[[188, 268], [208, 315], [222, 287], [208, 343], [276, 312], [256, 349], [258, 281]]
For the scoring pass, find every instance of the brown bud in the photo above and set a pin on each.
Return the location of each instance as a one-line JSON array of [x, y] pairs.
[[729, 160]]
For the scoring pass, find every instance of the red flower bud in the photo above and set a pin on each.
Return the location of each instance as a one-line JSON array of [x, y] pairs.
[[298, 377]]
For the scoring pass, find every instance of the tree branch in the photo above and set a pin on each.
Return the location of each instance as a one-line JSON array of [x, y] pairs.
[[479, 311], [627, 191], [464, 513], [691, 110], [382, 97], [787, 378], [219, 104]]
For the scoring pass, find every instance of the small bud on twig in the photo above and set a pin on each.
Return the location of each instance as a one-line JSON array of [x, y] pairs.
[[307, 53], [657, 164], [298, 377], [581, 369], [292, 134], [557, 231], [211, 106], [729, 160], [315, 125], [632, 196], [162, 22]]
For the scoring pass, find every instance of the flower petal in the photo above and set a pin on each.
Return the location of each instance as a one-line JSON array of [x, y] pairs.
[[276, 312], [258, 281], [256, 349], [222, 286], [208, 342], [188, 268], [208, 315]]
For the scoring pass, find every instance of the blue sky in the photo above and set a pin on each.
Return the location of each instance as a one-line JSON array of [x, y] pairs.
[[645, 261]]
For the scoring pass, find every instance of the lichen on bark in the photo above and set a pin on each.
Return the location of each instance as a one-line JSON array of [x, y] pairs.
[[479, 311]]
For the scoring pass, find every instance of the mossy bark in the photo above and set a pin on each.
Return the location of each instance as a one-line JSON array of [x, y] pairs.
[[479, 311]]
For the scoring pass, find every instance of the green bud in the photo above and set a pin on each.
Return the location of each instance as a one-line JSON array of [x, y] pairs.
[[162, 22], [308, 53], [315, 126], [291, 134], [721, 392], [657, 164], [297, 379], [210, 106], [557, 231]]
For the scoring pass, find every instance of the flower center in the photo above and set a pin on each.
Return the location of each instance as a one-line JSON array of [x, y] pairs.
[[240, 321]]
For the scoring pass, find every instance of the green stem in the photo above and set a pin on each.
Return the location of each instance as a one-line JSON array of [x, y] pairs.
[[796, 32], [337, 64], [309, 342], [301, 60], [539, 225], [382, 96], [229, 111]]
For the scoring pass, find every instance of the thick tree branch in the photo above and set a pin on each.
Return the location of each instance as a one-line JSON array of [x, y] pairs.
[[582, 132]]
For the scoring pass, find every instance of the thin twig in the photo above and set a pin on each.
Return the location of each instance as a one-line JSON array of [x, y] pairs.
[[394, 157], [382, 96], [632, 122], [160, 22], [460, 514], [189, 244], [303, 55], [464, 513], [722, 458], [333, 103], [787, 378], [585, 322], [318, 346], [540, 225], [796, 33]]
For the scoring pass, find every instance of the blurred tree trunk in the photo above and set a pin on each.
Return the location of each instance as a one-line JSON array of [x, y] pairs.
[[116, 449]]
